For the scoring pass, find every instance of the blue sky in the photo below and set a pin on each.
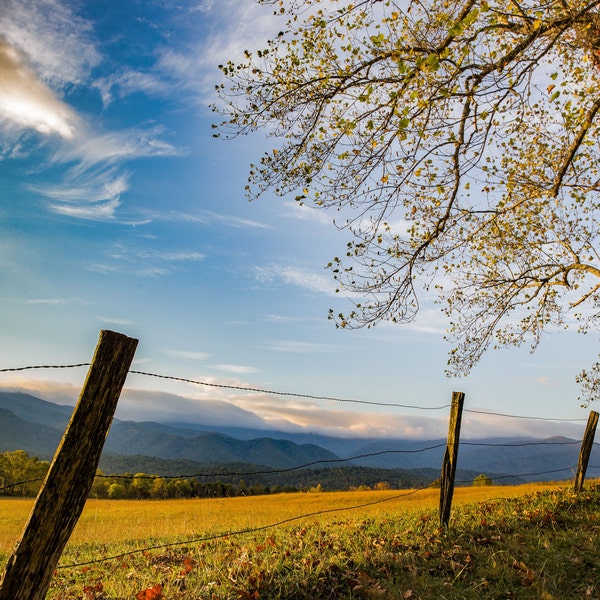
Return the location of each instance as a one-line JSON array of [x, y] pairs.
[[118, 210]]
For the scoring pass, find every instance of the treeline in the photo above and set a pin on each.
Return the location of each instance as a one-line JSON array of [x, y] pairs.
[[22, 475], [144, 486], [152, 487]]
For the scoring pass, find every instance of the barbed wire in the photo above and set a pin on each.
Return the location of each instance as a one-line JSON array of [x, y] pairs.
[[499, 414], [294, 394], [30, 367], [276, 471], [240, 387], [18, 483], [518, 444], [535, 474], [270, 471], [303, 395], [228, 534]]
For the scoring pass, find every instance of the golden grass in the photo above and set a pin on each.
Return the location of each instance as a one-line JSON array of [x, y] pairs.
[[113, 521]]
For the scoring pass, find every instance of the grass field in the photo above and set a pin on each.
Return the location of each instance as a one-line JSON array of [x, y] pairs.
[[535, 541]]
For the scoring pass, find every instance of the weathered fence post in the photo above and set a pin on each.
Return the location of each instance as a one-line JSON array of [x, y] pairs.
[[586, 449], [450, 456], [69, 480]]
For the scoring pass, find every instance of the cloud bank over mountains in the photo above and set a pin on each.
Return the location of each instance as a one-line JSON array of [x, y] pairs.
[[222, 407]]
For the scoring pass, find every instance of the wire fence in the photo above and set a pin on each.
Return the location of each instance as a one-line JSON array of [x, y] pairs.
[[311, 464]]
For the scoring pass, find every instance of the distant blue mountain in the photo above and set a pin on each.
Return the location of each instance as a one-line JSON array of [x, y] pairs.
[[36, 426]]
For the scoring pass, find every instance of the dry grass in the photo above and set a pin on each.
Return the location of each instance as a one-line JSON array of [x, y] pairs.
[[113, 521]]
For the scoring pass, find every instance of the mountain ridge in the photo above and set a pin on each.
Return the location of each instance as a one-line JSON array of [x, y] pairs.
[[36, 426]]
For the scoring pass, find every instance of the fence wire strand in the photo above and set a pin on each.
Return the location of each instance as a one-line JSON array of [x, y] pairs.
[[197, 540], [302, 395], [294, 394], [249, 529], [499, 414]]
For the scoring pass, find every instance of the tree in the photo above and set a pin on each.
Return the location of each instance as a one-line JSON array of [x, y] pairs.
[[482, 480], [20, 474], [117, 491], [457, 143]]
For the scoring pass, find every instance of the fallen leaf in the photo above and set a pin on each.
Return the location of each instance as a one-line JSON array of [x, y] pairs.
[[525, 573], [153, 593]]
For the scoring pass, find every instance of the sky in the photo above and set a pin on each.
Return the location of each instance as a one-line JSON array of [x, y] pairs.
[[119, 210]]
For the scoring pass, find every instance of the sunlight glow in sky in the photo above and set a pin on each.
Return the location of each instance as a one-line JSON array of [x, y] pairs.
[[118, 210]]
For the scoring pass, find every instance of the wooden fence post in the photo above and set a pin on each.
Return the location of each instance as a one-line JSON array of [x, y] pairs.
[[586, 449], [450, 456], [69, 480]]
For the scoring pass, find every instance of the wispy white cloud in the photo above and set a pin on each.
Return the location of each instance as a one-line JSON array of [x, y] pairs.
[[134, 254], [237, 369], [27, 102], [222, 407], [235, 222], [91, 149], [52, 301], [44, 47], [204, 217], [95, 187], [141, 261], [186, 72], [236, 27], [302, 212], [95, 181], [100, 211], [128, 81], [115, 321], [188, 354], [95, 195], [102, 268], [296, 347], [297, 276], [59, 43], [282, 319], [429, 320]]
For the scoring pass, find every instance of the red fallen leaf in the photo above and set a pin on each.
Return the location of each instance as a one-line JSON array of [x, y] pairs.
[[153, 593], [244, 595], [90, 590], [188, 565]]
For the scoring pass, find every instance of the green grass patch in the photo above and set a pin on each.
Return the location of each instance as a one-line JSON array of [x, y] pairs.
[[543, 545]]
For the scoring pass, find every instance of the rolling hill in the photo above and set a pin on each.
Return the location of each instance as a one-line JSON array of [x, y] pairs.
[[36, 426]]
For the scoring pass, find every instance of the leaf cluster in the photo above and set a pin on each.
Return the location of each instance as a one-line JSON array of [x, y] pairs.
[[456, 143]]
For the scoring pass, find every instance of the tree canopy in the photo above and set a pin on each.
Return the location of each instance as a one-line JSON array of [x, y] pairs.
[[458, 142]]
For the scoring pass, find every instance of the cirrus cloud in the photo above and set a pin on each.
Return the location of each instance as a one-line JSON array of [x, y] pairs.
[[26, 102]]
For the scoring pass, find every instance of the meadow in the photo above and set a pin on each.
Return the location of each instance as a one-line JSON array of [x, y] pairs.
[[534, 541]]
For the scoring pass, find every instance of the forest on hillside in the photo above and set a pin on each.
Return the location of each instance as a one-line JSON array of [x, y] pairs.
[[22, 475]]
